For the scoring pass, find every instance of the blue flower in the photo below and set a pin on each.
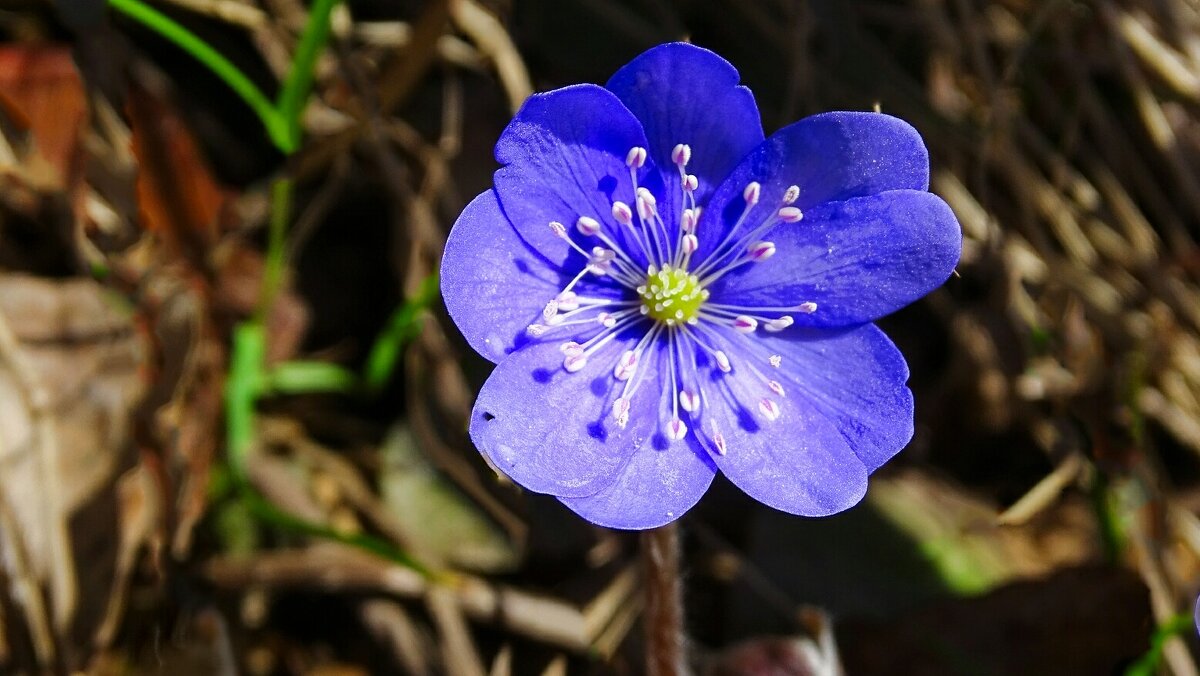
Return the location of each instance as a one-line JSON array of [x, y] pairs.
[[667, 295]]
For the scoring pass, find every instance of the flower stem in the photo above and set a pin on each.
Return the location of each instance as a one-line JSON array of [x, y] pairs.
[[663, 618]]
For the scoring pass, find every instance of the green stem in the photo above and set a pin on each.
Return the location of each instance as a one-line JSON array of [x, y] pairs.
[[273, 265], [275, 125], [294, 94], [242, 389]]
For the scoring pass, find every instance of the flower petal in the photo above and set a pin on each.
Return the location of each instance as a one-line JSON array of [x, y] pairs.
[[830, 157], [854, 377], [858, 260], [564, 155], [552, 431], [674, 89], [493, 284], [656, 487], [662, 479], [799, 463]]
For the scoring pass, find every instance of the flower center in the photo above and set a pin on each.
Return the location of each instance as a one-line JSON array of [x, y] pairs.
[[672, 295]]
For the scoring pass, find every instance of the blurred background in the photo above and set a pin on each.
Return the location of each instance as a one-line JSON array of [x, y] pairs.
[[1042, 521]]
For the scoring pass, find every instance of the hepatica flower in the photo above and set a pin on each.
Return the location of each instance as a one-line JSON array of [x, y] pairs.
[[667, 295]]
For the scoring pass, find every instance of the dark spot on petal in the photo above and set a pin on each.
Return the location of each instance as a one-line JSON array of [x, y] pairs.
[[488, 417], [659, 442], [542, 375], [596, 430], [599, 386], [607, 185], [746, 420], [732, 211], [522, 266]]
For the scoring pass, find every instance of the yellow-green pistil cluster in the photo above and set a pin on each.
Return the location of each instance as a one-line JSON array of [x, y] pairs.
[[672, 295]]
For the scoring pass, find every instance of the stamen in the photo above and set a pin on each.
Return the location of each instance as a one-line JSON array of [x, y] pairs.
[[687, 221], [622, 213], [681, 154], [568, 301], [689, 401], [790, 214], [586, 225], [632, 385], [745, 324], [778, 324], [791, 194], [599, 261], [646, 204], [620, 411], [723, 250], [691, 183], [693, 331], [626, 366], [575, 362], [718, 438], [769, 409], [751, 193], [807, 308], [775, 360], [636, 158], [760, 251], [690, 244], [676, 429]]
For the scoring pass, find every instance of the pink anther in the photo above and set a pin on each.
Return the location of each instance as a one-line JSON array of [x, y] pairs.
[[575, 362], [760, 251], [687, 220], [636, 158], [744, 324], [626, 365], [689, 401], [676, 430], [790, 214], [622, 213], [751, 193], [690, 244], [586, 225], [681, 154], [769, 409]]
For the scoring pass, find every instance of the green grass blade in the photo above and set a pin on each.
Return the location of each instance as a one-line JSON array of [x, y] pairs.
[[223, 68], [1148, 664], [402, 327], [296, 87], [301, 377], [242, 389]]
